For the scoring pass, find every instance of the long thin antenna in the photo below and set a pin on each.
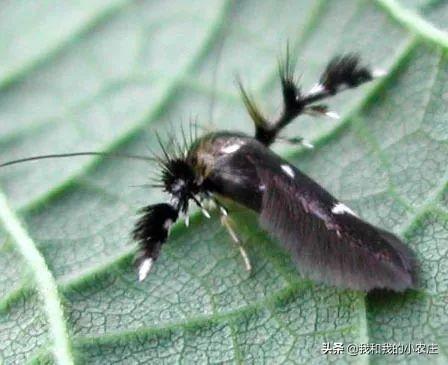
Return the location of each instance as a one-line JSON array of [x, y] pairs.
[[88, 153]]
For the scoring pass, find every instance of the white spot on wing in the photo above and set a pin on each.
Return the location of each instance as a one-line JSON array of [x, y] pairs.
[[379, 73], [231, 148], [340, 208], [288, 170], [144, 269]]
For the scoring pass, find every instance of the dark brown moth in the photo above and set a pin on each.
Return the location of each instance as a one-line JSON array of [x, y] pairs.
[[326, 239]]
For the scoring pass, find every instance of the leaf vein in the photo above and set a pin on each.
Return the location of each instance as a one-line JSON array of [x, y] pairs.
[[45, 282], [414, 22]]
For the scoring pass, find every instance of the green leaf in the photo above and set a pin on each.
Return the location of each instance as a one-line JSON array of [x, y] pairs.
[[104, 75]]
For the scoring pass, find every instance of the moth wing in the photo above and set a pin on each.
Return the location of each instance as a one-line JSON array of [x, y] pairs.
[[327, 240]]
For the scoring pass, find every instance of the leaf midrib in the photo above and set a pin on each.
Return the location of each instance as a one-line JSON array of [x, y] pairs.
[[45, 282]]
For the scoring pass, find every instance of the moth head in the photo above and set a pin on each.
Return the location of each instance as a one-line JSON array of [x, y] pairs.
[[179, 180]]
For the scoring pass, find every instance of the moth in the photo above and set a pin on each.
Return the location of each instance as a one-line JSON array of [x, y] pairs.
[[328, 241]]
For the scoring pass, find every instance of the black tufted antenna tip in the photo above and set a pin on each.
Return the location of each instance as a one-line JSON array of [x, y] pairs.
[[346, 70]]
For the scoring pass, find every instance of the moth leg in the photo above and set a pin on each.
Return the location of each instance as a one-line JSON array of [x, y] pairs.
[[228, 223], [342, 73], [201, 206]]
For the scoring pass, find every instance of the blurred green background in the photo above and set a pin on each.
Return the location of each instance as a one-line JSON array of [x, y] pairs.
[[104, 75]]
